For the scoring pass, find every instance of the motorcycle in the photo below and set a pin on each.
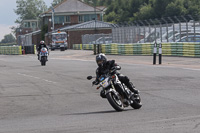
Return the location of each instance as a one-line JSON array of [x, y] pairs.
[[43, 56], [117, 94]]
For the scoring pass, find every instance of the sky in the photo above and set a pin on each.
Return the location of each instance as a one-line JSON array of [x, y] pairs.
[[8, 16]]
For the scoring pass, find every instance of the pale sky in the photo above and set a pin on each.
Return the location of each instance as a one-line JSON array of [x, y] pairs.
[[8, 16]]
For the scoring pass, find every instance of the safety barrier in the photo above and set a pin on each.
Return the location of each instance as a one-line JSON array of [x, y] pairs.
[[88, 46], [35, 49], [83, 46], [127, 49], [11, 50], [77, 46], [181, 49], [170, 49]]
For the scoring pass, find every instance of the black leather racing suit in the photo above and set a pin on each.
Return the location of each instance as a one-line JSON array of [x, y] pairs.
[[107, 67], [40, 46]]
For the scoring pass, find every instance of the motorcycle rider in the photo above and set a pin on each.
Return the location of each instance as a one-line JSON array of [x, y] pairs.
[[41, 45], [104, 67]]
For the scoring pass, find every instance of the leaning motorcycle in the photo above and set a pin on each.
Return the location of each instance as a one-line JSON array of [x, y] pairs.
[[117, 94], [43, 56]]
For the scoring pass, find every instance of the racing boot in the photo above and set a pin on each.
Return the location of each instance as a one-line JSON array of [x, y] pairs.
[[102, 94], [132, 88]]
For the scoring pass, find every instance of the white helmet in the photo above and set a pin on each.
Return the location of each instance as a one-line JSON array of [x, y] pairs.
[[42, 42]]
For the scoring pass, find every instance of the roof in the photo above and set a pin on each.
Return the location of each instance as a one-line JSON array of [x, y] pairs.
[[90, 25], [73, 6]]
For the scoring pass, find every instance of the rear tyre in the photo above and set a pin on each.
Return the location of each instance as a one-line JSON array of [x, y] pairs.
[[114, 101]]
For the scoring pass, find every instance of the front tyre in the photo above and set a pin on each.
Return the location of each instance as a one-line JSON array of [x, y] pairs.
[[43, 61], [114, 101]]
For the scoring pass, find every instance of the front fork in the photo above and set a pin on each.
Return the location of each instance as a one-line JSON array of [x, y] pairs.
[[112, 89]]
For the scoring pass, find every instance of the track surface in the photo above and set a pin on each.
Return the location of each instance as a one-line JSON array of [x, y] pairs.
[[57, 98]]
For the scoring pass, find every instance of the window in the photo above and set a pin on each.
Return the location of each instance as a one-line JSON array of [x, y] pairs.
[[34, 25], [88, 17], [59, 19], [80, 19], [67, 19], [27, 24]]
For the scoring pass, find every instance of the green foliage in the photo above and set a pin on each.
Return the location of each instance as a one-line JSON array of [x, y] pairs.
[[175, 9], [44, 30], [55, 2], [29, 9], [145, 12], [131, 10], [9, 38]]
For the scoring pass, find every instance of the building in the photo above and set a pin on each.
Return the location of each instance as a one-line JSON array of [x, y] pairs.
[[74, 17], [71, 12], [27, 26]]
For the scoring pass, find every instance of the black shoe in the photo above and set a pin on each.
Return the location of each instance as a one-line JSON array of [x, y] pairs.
[[102, 94], [135, 91]]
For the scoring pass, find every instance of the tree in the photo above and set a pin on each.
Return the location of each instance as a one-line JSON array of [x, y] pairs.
[[145, 12], [55, 2], [159, 7], [29, 9], [44, 30], [9, 38], [175, 9]]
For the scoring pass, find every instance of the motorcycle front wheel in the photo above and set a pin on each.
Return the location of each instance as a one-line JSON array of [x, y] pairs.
[[43, 61], [114, 101]]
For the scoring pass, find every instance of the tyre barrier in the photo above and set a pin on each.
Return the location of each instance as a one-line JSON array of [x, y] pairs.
[[77, 46], [83, 46], [87, 46], [11, 50], [169, 49]]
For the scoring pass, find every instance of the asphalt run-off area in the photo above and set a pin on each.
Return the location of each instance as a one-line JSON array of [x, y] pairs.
[[57, 98]]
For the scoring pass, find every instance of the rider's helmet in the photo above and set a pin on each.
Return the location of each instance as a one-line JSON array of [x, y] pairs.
[[42, 42], [101, 59]]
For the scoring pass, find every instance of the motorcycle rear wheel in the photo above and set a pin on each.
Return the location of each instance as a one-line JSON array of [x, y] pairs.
[[114, 101]]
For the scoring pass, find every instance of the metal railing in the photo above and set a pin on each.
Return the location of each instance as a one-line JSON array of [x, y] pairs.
[[96, 38], [168, 29]]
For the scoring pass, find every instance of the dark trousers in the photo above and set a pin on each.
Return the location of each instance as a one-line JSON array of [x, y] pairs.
[[126, 81]]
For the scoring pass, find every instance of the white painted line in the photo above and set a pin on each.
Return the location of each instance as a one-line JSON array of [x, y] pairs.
[[192, 69], [25, 75], [175, 119]]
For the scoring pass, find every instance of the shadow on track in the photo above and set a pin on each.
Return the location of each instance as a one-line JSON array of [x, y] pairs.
[[98, 112]]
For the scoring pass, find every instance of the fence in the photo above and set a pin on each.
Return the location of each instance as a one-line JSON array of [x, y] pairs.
[[96, 38], [169, 29]]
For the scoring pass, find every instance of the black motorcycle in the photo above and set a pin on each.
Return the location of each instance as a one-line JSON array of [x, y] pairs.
[[117, 94]]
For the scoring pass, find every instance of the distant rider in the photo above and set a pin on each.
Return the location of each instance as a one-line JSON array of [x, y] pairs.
[[104, 67], [41, 45]]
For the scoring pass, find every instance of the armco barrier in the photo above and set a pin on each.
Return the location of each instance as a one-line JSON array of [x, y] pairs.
[[169, 49], [11, 50]]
